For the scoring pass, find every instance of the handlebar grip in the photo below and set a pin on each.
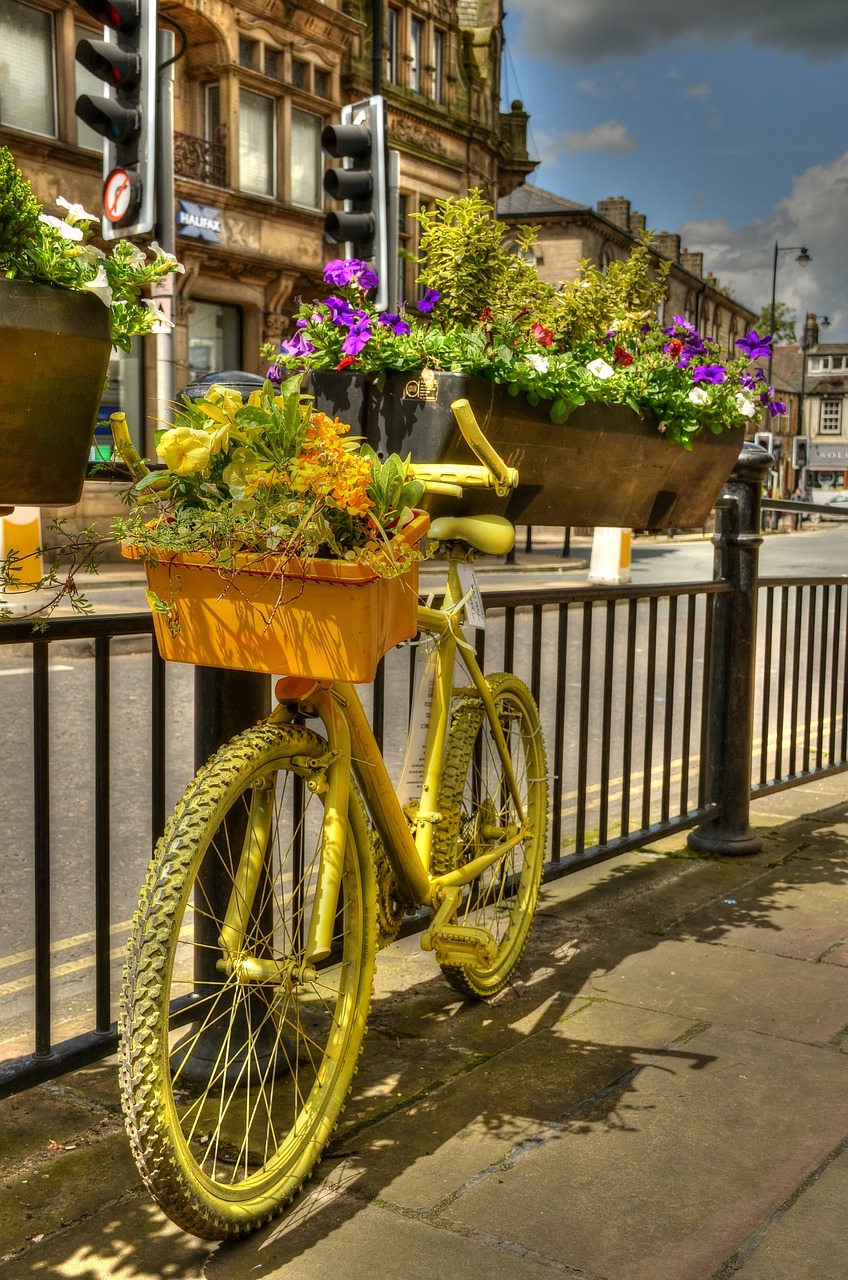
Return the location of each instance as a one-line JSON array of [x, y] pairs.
[[453, 477], [483, 448]]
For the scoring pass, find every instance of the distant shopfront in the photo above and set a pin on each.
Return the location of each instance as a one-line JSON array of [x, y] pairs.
[[827, 467]]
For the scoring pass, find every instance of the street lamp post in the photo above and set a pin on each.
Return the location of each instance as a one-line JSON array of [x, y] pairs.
[[802, 259]]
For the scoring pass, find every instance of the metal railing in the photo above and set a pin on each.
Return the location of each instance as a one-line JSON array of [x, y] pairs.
[[664, 708]]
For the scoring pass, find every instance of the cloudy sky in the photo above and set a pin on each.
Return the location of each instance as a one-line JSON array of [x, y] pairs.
[[727, 123]]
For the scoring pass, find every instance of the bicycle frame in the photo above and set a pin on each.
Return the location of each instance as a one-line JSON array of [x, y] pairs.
[[408, 841]]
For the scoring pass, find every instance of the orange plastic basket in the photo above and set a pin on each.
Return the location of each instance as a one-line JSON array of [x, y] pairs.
[[331, 619]]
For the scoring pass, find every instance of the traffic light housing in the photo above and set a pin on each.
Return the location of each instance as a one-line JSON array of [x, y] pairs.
[[800, 453], [765, 440], [125, 60], [362, 182]]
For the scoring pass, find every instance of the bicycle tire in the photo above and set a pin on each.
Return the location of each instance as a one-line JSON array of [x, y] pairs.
[[228, 1119], [502, 899]]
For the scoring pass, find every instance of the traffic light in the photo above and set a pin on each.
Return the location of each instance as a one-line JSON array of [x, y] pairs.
[[765, 440], [364, 226], [125, 60], [800, 452]]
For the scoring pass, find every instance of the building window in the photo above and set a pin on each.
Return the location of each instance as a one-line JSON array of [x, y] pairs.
[[416, 50], [214, 339], [257, 143], [392, 39], [300, 74], [323, 84], [305, 161], [211, 112], [273, 63], [249, 53], [27, 91], [438, 66], [831, 418]]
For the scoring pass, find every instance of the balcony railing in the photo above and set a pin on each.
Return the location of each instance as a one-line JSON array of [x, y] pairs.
[[202, 160]]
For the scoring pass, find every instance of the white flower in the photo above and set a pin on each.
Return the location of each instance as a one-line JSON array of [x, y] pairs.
[[90, 255], [101, 286], [163, 256], [539, 363], [600, 368], [64, 228], [161, 322], [130, 255], [699, 396], [745, 406], [76, 213]]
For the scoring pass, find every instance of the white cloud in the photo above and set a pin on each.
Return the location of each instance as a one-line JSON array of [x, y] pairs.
[[576, 32], [612, 136], [698, 90], [589, 86], [813, 215]]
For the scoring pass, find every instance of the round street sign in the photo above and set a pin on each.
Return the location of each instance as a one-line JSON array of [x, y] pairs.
[[118, 195]]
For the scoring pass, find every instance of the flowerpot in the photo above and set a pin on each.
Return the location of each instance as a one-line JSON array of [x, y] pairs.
[[332, 619], [54, 356], [606, 465]]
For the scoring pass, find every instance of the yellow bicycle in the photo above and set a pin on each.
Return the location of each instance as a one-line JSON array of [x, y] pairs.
[[288, 862]]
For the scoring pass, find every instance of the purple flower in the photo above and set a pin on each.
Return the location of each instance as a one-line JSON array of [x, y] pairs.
[[299, 345], [708, 373], [357, 338], [777, 407], [341, 271], [393, 322], [368, 279], [341, 312], [428, 302], [753, 345], [275, 374]]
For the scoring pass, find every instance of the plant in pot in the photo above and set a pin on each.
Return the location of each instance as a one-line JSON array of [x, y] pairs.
[[577, 385], [63, 304], [272, 541]]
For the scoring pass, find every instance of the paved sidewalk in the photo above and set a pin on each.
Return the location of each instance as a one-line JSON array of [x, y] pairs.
[[663, 1096]]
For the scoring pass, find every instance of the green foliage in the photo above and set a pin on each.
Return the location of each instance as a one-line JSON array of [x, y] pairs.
[[52, 250], [785, 321], [19, 208]]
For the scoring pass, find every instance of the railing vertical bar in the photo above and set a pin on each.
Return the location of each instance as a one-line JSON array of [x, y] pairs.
[[650, 685], [709, 658], [606, 721], [766, 685], [688, 692], [843, 646], [158, 670], [102, 835], [379, 703], [536, 668], [559, 732], [781, 684], [822, 674], [668, 727], [834, 674], [808, 682], [583, 729], [41, 838], [509, 639], [627, 736], [797, 624]]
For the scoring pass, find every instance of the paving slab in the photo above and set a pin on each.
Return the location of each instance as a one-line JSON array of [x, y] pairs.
[[658, 1177]]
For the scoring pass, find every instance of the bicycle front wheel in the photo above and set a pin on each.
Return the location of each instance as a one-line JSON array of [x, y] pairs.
[[478, 812], [236, 1060]]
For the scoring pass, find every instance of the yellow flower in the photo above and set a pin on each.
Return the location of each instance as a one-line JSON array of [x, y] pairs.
[[184, 450]]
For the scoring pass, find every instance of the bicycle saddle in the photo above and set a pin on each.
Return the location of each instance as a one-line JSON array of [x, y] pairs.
[[492, 535]]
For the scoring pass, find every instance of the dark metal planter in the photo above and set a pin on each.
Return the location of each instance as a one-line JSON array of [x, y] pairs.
[[605, 466], [54, 356]]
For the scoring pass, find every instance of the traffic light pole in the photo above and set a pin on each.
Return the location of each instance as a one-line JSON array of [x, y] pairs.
[[166, 219]]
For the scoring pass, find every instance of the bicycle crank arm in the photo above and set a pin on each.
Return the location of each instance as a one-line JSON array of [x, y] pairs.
[[462, 944]]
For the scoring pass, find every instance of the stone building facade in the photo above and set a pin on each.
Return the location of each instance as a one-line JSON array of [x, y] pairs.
[[254, 86]]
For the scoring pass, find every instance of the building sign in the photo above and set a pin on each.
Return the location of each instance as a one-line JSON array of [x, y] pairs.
[[828, 457], [199, 221]]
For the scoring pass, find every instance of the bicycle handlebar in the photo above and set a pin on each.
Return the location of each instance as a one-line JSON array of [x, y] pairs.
[[504, 477]]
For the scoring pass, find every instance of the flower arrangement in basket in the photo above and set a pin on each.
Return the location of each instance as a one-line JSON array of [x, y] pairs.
[[273, 541], [485, 311]]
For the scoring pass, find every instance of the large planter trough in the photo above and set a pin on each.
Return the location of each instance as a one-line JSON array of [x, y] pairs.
[[54, 356], [606, 465]]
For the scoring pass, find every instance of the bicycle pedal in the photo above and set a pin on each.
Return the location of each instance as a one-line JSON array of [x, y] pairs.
[[458, 944]]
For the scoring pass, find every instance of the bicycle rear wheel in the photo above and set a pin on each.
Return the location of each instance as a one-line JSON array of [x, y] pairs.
[[233, 1076], [478, 812]]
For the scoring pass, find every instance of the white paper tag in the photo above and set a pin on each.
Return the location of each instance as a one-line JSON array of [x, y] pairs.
[[475, 614], [411, 778]]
